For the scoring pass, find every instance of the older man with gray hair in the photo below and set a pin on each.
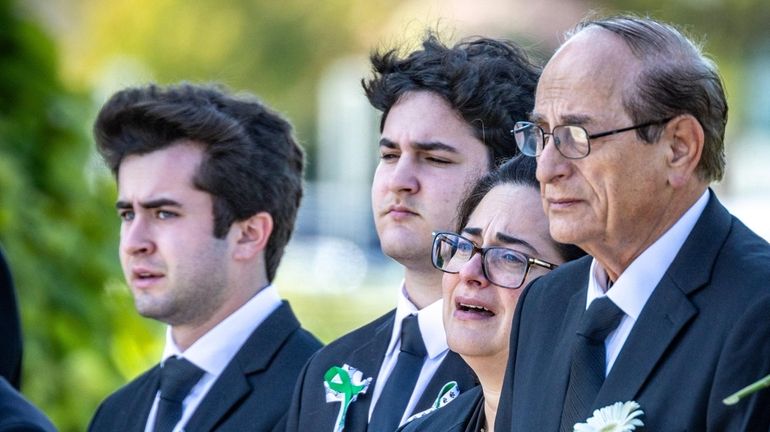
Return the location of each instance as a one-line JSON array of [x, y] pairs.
[[669, 313]]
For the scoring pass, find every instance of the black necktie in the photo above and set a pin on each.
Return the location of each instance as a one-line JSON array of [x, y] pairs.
[[398, 390], [177, 378], [588, 361]]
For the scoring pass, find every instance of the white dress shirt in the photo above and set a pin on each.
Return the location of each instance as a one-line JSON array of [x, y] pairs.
[[636, 284], [213, 351], [430, 319]]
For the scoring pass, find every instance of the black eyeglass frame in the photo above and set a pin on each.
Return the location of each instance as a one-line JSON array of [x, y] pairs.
[[525, 124], [530, 261]]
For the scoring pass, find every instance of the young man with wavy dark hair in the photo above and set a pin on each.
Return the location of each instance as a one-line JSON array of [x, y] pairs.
[[208, 190], [446, 116]]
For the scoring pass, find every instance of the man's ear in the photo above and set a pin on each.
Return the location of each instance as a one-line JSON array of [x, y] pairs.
[[252, 235], [686, 147]]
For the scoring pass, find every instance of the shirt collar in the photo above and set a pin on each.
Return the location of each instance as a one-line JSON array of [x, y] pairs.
[[636, 284], [214, 350], [430, 319]]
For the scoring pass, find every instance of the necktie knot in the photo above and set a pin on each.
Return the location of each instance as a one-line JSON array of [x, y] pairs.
[[411, 338], [601, 318], [177, 378]]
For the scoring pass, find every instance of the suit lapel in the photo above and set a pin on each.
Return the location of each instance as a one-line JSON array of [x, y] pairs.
[[368, 359], [139, 405], [254, 357], [230, 388], [663, 317], [669, 309], [555, 382]]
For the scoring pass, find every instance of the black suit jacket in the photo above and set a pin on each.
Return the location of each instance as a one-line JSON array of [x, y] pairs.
[[363, 349], [703, 334], [18, 415], [252, 393], [456, 416], [10, 327]]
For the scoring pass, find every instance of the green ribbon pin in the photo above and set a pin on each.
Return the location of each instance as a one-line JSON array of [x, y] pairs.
[[344, 384], [447, 394]]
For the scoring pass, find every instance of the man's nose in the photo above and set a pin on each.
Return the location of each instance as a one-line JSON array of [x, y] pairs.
[[404, 178], [551, 164], [135, 237]]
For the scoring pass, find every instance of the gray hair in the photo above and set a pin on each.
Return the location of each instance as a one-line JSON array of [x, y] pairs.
[[676, 78]]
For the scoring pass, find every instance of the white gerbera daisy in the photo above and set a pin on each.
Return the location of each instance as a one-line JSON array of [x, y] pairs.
[[618, 417]]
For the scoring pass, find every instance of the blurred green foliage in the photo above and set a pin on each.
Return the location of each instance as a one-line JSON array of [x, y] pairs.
[[329, 316], [59, 239]]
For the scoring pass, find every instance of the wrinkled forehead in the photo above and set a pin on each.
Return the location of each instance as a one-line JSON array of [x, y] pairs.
[[594, 50], [592, 69]]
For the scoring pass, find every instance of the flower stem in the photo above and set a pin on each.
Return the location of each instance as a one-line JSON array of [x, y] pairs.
[[748, 390]]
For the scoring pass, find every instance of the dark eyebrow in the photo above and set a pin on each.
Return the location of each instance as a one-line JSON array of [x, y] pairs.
[[434, 145], [536, 118], [566, 120], [422, 146], [472, 231], [576, 119], [516, 241], [384, 142], [505, 238], [152, 204]]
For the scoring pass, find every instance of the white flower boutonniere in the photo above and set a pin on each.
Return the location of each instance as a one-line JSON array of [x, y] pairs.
[[343, 385], [618, 417]]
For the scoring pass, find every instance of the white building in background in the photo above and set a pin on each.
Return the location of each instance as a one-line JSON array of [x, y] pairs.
[[747, 183], [335, 240], [348, 134]]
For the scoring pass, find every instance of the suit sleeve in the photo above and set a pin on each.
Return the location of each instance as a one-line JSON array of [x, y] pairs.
[[17, 414], [295, 409], [745, 359], [25, 427], [93, 426], [10, 327], [504, 408]]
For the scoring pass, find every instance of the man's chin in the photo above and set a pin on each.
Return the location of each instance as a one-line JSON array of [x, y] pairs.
[[567, 231], [151, 308], [406, 253]]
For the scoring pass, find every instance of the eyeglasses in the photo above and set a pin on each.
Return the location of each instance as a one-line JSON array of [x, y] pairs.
[[503, 267], [573, 142]]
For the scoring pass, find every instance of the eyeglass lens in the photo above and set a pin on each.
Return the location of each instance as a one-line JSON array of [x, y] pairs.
[[502, 266], [570, 141]]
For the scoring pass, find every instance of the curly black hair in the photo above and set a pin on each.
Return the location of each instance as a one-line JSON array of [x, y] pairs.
[[489, 82]]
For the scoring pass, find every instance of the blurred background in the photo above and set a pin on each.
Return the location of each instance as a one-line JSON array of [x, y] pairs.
[[61, 59]]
